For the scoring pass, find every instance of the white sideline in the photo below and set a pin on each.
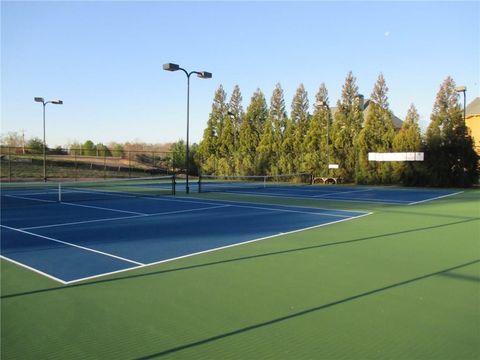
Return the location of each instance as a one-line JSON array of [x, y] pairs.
[[123, 217], [215, 249], [73, 245], [435, 198], [33, 269]]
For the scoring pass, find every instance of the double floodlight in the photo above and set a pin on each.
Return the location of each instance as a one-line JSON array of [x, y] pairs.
[[42, 100], [176, 67]]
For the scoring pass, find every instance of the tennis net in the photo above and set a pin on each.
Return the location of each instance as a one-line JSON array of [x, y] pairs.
[[25, 194], [214, 183]]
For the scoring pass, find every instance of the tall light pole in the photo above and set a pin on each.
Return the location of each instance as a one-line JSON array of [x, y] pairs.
[[324, 104], [202, 75], [56, 102], [463, 89]]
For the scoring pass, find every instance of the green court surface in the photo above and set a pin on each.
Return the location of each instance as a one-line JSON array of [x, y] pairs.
[[401, 283]]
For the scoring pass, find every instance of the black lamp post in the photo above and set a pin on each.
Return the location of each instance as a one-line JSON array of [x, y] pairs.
[[202, 75], [463, 89], [56, 102], [325, 105]]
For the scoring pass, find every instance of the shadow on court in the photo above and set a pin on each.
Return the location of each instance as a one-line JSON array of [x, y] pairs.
[[154, 273], [301, 313]]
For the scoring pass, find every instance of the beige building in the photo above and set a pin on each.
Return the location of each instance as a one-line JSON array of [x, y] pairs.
[[472, 120]]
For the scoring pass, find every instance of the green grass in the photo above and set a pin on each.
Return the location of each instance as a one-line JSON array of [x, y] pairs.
[[402, 283]]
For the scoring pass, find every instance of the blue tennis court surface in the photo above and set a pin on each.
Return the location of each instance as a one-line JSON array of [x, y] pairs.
[[70, 242], [384, 195]]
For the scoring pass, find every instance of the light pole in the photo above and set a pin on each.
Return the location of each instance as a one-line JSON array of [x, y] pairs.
[[56, 102], [463, 89], [324, 104], [202, 75]]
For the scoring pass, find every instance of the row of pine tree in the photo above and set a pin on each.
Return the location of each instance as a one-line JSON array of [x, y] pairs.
[[264, 140]]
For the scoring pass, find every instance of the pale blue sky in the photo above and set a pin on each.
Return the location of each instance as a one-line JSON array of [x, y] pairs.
[[104, 59]]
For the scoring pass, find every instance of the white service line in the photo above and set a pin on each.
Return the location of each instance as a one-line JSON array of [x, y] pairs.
[[26, 198], [81, 222], [123, 217], [341, 192], [435, 198], [248, 203], [103, 208], [290, 211], [308, 197], [218, 248], [74, 245]]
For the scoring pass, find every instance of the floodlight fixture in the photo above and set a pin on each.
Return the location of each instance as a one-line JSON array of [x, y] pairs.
[[57, 102], [39, 99], [204, 75], [461, 89], [171, 67]]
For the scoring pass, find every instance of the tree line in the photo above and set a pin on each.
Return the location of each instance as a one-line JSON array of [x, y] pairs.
[[265, 140]]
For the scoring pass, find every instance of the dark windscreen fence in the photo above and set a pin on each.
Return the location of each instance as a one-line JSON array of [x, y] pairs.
[[218, 183], [27, 194]]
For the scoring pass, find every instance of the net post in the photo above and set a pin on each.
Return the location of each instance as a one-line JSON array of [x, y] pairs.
[[199, 183], [173, 184], [264, 182], [59, 192]]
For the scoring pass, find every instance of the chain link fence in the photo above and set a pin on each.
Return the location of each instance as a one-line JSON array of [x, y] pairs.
[[27, 164]]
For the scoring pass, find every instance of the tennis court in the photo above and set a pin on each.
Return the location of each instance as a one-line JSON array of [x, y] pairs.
[[297, 186], [127, 270], [101, 228]]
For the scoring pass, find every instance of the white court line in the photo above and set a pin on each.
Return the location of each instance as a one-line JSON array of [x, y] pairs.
[[216, 249], [234, 202], [103, 208], [122, 217], [341, 192], [26, 198], [74, 245], [34, 270], [290, 211], [309, 197], [435, 198]]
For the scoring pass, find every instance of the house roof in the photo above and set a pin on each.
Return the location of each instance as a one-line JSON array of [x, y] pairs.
[[397, 122], [474, 107]]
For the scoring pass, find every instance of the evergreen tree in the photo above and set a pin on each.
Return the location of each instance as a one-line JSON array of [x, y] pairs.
[[277, 116], [35, 146], [208, 149], [346, 127], [300, 117], [376, 136], [237, 114], [102, 150], [226, 148], [450, 158], [316, 139], [265, 152], [287, 155], [89, 149], [408, 139], [250, 131]]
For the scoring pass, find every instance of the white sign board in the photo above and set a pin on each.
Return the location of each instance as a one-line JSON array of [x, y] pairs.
[[395, 156], [333, 166]]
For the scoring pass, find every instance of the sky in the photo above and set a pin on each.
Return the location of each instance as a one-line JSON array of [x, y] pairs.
[[104, 59]]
